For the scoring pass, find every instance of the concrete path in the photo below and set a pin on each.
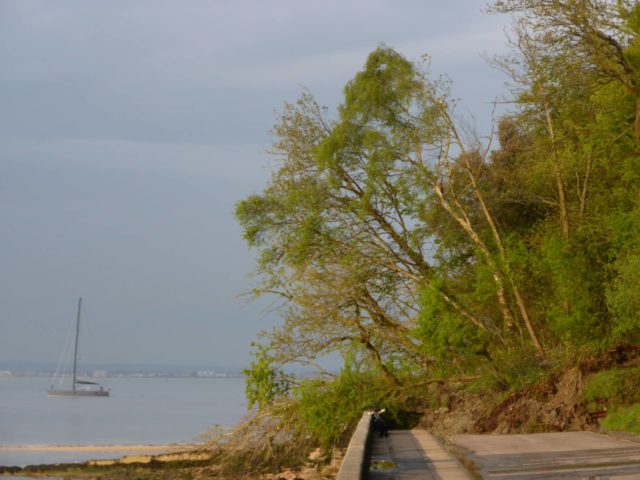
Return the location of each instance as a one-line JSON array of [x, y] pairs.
[[412, 454], [568, 455]]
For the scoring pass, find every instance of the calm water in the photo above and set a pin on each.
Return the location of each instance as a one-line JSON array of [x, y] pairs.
[[139, 411]]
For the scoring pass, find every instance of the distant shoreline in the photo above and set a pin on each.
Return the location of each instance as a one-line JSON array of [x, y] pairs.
[[135, 375], [171, 447]]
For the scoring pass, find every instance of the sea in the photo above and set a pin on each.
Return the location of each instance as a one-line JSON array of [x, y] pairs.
[[140, 411]]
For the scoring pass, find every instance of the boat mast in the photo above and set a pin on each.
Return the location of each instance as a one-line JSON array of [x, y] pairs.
[[75, 354]]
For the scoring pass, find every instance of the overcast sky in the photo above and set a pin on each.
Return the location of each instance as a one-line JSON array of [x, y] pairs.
[[128, 131]]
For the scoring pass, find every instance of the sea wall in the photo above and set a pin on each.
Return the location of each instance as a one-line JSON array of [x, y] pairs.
[[356, 459]]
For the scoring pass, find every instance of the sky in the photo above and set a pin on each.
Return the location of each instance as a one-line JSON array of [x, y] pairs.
[[129, 129]]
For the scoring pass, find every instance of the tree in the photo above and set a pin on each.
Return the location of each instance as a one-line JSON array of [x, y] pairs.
[[332, 267], [573, 67], [397, 238], [343, 226], [598, 36]]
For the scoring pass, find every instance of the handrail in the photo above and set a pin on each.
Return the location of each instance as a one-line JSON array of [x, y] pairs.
[[356, 459]]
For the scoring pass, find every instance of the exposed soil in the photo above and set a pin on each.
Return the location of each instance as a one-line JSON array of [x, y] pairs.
[[552, 405]]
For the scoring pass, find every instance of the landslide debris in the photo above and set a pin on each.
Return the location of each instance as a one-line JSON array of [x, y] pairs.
[[553, 404]]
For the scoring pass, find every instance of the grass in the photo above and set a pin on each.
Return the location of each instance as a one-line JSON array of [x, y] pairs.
[[623, 419], [618, 390], [616, 387]]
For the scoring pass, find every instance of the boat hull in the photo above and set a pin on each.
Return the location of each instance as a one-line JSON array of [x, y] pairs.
[[78, 393]]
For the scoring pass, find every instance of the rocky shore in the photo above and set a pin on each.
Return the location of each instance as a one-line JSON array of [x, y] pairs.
[[152, 462]]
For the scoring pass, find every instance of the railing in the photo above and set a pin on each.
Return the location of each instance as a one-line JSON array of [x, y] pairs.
[[356, 459]]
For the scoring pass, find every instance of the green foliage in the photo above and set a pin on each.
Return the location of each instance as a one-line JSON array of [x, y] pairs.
[[632, 52], [511, 369], [623, 292], [264, 381], [624, 298], [329, 410], [574, 288], [445, 335], [624, 419], [616, 387], [390, 235]]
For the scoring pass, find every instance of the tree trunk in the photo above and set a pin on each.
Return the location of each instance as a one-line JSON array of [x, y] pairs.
[[562, 197], [502, 254], [585, 185], [505, 261], [507, 316]]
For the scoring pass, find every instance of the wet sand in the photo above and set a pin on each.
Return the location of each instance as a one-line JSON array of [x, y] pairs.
[[24, 455]]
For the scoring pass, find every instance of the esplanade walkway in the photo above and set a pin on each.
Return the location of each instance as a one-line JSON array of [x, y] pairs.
[[416, 454], [412, 454], [403, 455]]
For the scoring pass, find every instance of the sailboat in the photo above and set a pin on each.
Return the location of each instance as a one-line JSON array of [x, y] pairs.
[[79, 388]]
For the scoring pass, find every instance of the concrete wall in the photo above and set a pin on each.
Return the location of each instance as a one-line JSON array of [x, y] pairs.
[[356, 459]]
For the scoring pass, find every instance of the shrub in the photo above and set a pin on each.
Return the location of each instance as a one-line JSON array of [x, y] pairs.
[[329, 410], [626, 419], [616, 386], [623, 297], [512, 369]]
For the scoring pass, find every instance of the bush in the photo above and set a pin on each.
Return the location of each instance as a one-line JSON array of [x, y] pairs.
[[329, 410], [623, 296], [616, 387], [626, 419], [512, 369]]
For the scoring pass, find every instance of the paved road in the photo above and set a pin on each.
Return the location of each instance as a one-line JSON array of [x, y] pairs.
[[412, 454], [567, 455]]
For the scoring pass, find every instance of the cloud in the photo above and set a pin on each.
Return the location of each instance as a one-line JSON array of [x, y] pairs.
[[209, 71], [128, 130]]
